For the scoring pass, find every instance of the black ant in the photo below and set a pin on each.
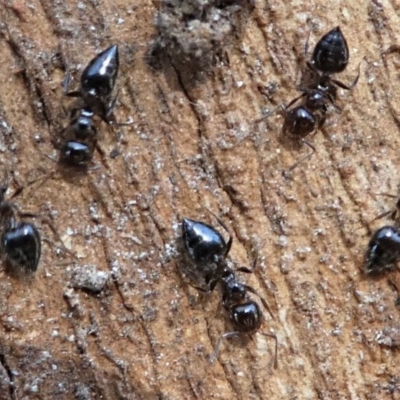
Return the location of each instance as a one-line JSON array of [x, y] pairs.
[[330, 56], [383, 249], [79, 139], [20, 241], [206, 249], [245, 314]]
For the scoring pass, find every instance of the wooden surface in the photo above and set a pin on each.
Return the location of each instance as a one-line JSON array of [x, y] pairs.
[[194, 145]]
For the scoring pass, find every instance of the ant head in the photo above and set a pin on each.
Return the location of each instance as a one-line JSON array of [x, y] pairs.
[[76, 153], [246, 317], [383, 250], [299, 122]]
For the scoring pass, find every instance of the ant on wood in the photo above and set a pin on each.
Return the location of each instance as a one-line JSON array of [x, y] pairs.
[[383, 249], [20, 241], [79, 139], [207, 250], [330, 56]]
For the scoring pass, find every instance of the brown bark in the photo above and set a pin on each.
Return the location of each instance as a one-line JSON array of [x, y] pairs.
[[194, 145]]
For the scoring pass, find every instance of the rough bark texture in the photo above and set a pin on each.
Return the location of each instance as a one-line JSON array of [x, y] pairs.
[[194, 145]]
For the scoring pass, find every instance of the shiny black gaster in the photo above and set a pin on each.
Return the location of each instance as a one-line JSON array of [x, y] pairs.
[[383, 250], [203, 243], [21, 246], [331, 54], [100, 75]]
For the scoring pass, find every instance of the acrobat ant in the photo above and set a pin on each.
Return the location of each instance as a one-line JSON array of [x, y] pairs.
[[20, 241], [206, 249], [78, 140], [383, 250], [330, 56], [244, 314]]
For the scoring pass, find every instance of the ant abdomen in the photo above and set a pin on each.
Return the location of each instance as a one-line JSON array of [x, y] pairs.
[[331, 53], [203, 243]]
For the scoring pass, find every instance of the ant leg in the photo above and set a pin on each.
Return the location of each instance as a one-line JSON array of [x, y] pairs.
[[108, 116], [249, 270], [20, 188], [273, 336], [46, 221], [4, 185], [65, 85], [280, 109], [214, 355], [351, 86], [263, 301], [313, 150], [7, 216], [295, 100]]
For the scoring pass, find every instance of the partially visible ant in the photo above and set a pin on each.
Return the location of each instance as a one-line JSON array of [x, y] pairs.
[[383, 250], [330, 56], [244, 314], [78, 140], [207, 250], [20, 243]]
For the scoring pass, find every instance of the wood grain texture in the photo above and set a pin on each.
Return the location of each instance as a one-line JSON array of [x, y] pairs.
[[194, 145]]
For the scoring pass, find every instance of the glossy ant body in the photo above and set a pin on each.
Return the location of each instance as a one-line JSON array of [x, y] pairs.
[[330, 56], [20, 241], [79, 139], [383, 250], [207, 250]]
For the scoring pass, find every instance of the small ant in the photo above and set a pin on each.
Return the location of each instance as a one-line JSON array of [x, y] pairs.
[[330, 56], [206, 249], [20, 241], [383, 249], [79, 139]]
